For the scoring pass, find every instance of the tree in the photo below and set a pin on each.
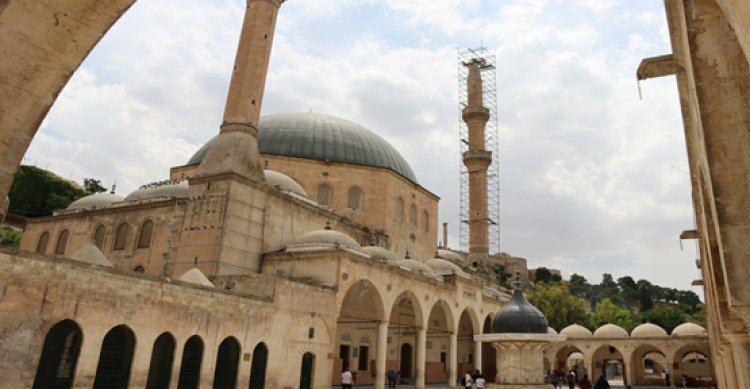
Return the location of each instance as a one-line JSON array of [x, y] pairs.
[[37, 192], [609, 313], [608, 289], [559, 306], [542, 274], [10, 237], [628, 290], [665, 317], [645, 298], [502, 276], [579, 286], [93, 185]]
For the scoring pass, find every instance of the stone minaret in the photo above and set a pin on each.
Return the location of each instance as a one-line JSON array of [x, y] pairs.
[[236, 149], [477, 160]]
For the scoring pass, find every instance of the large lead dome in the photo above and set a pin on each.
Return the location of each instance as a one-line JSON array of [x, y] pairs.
[[519, 316], [324, 138]]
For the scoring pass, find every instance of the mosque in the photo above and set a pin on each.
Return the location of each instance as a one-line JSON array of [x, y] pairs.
[[289, 247]]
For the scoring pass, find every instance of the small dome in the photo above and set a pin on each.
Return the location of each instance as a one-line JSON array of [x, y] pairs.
[[160, 189], [379, 253], [283, 182], [610, 331], [448, 254], [648, 330], [551, 331], [326, 239], [689, 329], [95, 201], [442, 266], [519, 316], [414, 266], [576, 331]]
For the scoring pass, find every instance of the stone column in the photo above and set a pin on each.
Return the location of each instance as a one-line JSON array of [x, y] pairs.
[[236, 148], [452, 359], [477, 160], [478, 356], [741, 350], [381, 355], [421, 353]]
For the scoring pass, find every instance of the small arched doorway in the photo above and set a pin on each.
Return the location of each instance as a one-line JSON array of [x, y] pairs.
[[115, 359], [489, 366], [227, 361], [306, 373], [407, 356], [258, 367], [162, 357], [190, 367], [57, 364]]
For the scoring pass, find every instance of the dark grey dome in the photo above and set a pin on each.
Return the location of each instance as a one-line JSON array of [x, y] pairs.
[[519, 316], [325, 138]]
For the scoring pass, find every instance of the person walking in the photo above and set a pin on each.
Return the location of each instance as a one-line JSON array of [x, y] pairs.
[[571, 379], [585, 383], [601, 383], [480, 382], [468, 380], [347, 380], [392, 377]]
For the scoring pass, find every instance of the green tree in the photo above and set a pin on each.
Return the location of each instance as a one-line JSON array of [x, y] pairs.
[[628, 290], [92, 185], [10, 237], [579, 286], [542, 274], [645, 295], [665, 317], [37, 192], [609, 313], [502, 276], [561, 308]]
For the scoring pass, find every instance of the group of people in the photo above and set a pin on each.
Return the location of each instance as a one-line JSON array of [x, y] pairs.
[[558, 377], [470, 379]]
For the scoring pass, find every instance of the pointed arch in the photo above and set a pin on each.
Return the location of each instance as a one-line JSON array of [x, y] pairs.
[[258, 367], [354, 200], [323, 194], [62, 242], [162, 359], [41, 246], [100, 233], [121, 237], [190, 366], [227, 362], [115, 359], [57, 363], [307, 370], [144, 237]]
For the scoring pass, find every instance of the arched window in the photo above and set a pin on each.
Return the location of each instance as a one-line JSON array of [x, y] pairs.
[[425, 221], [41, 247], [162, 357], [62, 241], [57, 364], [190, 368], [323, 194], [115, 359], [121, 238], [354, 198], [306, 373], [258, 367], [227, 360], [144, 238], [413, 216], [139, 269], [400, 210], [99, 234]]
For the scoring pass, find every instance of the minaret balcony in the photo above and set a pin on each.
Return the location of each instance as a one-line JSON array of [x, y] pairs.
[[477, 159], [472, 113]]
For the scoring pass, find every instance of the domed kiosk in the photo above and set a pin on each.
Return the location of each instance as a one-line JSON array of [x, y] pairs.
[[520, 335]]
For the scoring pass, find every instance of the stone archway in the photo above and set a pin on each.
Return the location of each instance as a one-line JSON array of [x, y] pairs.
[[692, 364], [469, 357], [360, 314], [609, 360], [405, 321], [489, 357], [440, 361], [647, 362], [570, 357]]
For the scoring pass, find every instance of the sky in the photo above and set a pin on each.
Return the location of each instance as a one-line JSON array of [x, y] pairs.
[[593, 178]]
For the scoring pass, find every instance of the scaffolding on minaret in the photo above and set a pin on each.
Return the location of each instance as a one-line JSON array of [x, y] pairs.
[[492, 144]]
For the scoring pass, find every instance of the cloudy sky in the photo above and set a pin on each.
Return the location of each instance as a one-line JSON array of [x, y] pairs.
[[593, 179]]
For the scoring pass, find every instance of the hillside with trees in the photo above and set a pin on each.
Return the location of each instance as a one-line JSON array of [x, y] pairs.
[[624, 302]]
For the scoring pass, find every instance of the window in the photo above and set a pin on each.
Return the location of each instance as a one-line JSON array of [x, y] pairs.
[[62, 241], [57, 365], [115, 359], [162, 357], [354, 198], [323, 194], [425, 221], [190, 368], [99, 234], [144, 239], [413, 216], [227, 361], [400, 210], [41, 247], [121, 238]]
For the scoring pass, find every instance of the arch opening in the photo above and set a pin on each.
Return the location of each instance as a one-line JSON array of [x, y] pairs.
[[57, 363]]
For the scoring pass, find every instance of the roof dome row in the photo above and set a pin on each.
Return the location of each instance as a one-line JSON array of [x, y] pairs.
[[95, 201], [646, 330]]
